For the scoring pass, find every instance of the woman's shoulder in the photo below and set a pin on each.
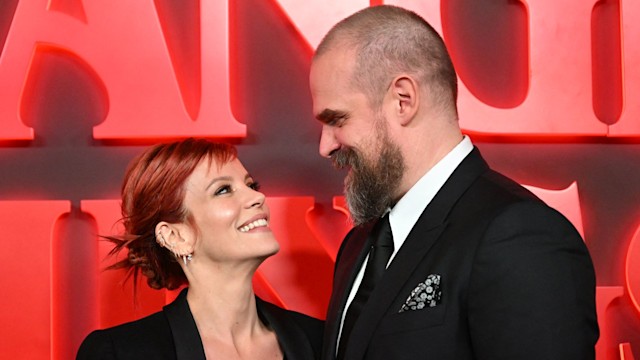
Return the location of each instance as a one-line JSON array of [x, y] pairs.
[[143, 337]]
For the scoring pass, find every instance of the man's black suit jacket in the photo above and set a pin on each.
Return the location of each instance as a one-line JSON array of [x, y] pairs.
[[172, 334], [516, 280]]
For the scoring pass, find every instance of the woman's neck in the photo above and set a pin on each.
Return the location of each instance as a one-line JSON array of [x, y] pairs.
[[224, 308], [223, 303]]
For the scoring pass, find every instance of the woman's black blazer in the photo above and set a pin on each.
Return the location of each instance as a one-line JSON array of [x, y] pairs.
[[172, 334]]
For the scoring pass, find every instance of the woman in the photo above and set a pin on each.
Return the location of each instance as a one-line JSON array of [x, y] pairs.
[[193, 215]]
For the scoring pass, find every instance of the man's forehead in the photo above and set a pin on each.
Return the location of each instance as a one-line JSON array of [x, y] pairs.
[[337, 59], [329, 73]]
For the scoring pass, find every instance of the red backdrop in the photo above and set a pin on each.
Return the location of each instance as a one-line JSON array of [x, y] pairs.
[[549, 92]]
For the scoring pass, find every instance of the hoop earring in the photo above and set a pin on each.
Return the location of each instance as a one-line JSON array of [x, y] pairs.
[[160, 239]]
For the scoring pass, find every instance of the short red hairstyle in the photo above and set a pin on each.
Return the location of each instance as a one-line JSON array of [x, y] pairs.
[[153, 191]]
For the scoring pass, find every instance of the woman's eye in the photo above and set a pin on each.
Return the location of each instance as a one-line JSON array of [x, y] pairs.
[[254, 185], [223, 190]]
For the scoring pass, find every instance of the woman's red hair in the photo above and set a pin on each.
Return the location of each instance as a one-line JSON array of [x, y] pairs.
[[153, 191]]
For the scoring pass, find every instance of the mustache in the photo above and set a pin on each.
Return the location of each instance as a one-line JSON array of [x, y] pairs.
[[345, 157]]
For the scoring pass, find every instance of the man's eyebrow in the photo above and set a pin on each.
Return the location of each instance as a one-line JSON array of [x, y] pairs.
[[329, 116]]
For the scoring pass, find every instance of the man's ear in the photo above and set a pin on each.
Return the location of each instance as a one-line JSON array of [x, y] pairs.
[[177, 238], [404, 98]]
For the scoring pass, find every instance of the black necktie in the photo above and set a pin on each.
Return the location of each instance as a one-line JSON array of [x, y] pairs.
[[379, 255]]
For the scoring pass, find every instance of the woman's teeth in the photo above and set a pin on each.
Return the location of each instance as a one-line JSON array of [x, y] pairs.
[[253, 225]]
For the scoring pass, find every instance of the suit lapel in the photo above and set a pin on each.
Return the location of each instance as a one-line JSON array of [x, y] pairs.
[[183, 327], [425, 233], [291, 337], [387, 290], [188, 344], [352, 255]]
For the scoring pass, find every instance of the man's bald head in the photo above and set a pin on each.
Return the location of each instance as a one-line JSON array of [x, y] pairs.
[[388, 41]]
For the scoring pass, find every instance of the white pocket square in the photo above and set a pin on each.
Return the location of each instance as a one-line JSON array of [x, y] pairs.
[[426, 294]]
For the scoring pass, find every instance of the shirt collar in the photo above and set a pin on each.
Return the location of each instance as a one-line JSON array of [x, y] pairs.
[[406, 212]]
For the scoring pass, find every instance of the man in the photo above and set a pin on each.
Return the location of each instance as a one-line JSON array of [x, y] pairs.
[[480, 268]]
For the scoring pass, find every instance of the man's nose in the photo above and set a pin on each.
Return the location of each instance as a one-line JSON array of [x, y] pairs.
[[328, 141]]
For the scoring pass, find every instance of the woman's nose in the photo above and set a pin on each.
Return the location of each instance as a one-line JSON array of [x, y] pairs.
[[256, 199]]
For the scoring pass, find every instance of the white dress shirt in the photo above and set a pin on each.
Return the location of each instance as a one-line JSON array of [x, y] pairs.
[[406, 212]]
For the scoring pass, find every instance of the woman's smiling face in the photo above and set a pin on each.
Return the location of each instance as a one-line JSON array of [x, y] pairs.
[[229, 213]]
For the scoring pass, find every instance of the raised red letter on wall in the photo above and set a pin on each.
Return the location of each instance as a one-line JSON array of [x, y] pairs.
[[559, 100], [123, 43]]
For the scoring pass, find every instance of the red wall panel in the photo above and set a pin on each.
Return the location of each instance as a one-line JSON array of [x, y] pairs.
[[26, 311]]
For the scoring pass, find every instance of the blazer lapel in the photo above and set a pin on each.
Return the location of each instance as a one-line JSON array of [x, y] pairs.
[[183, 327], [355, 249], [189, 346], [423, 236], [291, 337], [387, 289]]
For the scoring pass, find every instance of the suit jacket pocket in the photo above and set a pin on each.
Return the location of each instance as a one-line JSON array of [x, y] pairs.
[[413, 320]]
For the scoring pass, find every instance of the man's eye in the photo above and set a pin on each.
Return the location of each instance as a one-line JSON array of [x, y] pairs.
[[337, 121], [223, 190]]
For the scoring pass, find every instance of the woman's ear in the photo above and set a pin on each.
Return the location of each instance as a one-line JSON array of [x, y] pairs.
[[404, 98], [177, 238], [164, 232]]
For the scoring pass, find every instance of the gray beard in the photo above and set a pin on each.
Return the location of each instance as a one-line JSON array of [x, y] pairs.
[[369, 187]]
